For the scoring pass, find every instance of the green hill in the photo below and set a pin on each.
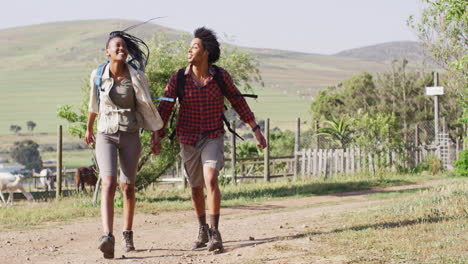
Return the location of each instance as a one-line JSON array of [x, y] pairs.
[[43, 66]]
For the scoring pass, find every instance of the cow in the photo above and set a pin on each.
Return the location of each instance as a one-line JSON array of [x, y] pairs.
[[12, 182], [85, 175], [47, 179]]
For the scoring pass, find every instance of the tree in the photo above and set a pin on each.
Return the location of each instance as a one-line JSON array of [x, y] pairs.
[[347, 98], [443, 30], [15, 129], [166, 57], [338, 130], [26, 153], [402, 94], [31, 125], [377, 134]]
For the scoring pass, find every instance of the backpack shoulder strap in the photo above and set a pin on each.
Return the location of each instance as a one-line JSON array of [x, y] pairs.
[[98, 80], [180, 83], [180, 94], [218, 76]]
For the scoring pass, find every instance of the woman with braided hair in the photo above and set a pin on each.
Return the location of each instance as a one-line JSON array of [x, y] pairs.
[[123, 104]]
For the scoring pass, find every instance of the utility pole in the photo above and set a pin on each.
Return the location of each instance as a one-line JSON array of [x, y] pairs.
[[435, 91]]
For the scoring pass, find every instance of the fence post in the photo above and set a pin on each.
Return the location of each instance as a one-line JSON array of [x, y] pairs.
[[59, 163], [182, 174], [296, 147], [317, 138], [233, 153], [266, 152], [303, 167], [314, 162]]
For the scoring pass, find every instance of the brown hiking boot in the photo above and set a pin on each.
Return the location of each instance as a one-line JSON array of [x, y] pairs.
[[107, 244], [128, 237], [202, 238], [215, 243]]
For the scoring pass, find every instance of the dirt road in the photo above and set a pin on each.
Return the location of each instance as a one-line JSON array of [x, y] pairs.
[[249, 233]]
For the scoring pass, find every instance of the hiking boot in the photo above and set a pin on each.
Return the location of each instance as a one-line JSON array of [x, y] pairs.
[[107, 243], [215, 243], [128, 237], [202, 238]]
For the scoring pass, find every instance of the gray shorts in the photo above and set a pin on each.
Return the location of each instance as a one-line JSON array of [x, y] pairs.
[[207, 153], [127, 146]]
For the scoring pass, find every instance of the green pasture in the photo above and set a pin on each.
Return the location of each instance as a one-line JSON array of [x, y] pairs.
[[34, 94], [71, 158]]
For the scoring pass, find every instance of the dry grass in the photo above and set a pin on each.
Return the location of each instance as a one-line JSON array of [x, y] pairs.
[[428, 226]]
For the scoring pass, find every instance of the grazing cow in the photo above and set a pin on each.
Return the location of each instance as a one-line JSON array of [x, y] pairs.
[[85, 175], [11, 182], [47, 179]]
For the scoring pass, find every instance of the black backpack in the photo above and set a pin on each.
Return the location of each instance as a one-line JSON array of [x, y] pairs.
[[218, 77]]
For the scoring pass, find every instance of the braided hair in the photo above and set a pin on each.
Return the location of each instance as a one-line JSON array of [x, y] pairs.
[[137, 48]]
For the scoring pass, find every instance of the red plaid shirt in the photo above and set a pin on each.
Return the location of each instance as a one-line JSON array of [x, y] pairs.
[[201, 108]]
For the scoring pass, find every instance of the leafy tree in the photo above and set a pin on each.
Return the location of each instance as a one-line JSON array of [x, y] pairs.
[[15, 129], [166, 57], [347, 98], [281, 143], [443, 30], [26, 153], [377, 134], [327, 104], [402, 94], [31, 125]]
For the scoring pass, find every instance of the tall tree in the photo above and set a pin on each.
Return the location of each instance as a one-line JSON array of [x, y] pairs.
[[443, 30], [402, 94]]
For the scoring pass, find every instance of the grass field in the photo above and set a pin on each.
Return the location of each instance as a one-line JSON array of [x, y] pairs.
[[35, 94], [427, 226], [35, 97]]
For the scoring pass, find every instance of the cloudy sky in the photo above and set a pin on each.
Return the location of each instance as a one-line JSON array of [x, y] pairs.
[[315, 26]]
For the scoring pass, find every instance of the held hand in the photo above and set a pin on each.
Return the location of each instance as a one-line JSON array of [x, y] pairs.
[[89, 137], [155, 143], [260, 139]]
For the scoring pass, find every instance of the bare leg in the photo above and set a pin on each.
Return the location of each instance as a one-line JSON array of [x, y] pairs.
[[129, 204], [109, 184], [213, 192], [198, 200]]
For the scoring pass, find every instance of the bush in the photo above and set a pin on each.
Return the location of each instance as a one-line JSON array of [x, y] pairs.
[[434, 164], [462, 164]]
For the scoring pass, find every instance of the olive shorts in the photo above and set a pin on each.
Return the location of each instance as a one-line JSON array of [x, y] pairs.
[[207, 153]]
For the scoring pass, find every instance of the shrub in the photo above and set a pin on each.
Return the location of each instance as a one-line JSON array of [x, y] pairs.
[[462, 164], [434, 164]]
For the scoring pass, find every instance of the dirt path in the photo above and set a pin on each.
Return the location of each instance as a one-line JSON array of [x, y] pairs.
[[166, 238]]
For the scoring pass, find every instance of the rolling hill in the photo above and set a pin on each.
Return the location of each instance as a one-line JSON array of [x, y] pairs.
[[44, 65], [410, 50]]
